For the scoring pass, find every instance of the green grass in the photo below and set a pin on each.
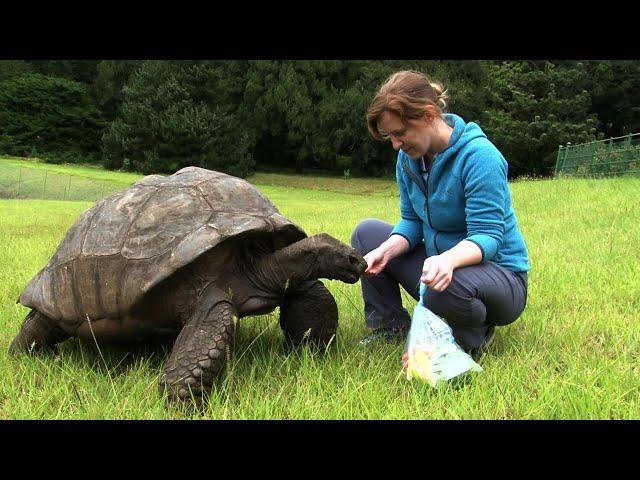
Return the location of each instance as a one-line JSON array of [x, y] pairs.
[[89, 171], [573, 354], [31, 178]]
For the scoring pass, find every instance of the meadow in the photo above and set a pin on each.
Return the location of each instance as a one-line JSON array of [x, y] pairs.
[[573, 354]]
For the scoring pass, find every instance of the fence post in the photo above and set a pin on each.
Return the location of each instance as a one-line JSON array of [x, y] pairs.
[[607, 168], [558, 159], [19, 181], [44, 185], [566, 152], [66, 193], [626, 156]]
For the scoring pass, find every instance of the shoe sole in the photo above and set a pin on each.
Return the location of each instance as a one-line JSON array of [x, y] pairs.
[[483, 348]]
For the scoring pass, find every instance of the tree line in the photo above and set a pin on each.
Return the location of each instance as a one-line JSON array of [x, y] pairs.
[[157, 116]]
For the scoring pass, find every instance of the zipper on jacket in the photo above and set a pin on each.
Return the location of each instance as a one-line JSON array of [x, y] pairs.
[[426, 187], [435, 242], [426, 200]]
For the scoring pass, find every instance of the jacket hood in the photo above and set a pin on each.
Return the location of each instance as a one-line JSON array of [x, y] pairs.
[[462, 134]]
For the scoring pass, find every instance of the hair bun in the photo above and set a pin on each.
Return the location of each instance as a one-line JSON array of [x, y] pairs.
[[441, 92]]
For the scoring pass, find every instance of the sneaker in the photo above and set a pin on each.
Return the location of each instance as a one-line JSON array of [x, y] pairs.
[[386, 334], [476, 353]]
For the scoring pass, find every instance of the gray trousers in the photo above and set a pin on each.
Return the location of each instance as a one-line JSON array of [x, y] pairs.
[[479, 295]]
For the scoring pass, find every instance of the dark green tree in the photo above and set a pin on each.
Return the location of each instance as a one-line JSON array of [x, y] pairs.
[[615, 94], [82, 71], [311, 115], [179, 113], [111, 76], [13, 68], [48, 115], [532, 108]]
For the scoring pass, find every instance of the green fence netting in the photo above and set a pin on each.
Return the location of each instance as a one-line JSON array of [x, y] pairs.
[[602, 158], [25, 182]]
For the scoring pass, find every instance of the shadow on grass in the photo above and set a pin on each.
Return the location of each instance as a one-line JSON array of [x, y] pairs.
[[252, 346], [260, 354], [118, 359]]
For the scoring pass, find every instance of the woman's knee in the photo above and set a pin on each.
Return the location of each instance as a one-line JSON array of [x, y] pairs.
[[369, 234], [456, 307]]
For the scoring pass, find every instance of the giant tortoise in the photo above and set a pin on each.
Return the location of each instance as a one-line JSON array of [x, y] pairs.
[[185, 256]]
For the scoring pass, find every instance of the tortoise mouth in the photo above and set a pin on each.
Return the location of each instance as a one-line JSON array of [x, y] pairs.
[[352, 273]]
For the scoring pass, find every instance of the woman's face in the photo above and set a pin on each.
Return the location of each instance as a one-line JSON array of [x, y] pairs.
[[412, 136]]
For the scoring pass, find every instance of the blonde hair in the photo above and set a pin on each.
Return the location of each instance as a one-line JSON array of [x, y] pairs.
[[408, 94]]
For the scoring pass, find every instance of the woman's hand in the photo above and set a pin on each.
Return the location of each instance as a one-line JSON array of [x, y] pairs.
[[378, 258], [376, 261], [437, 272], [405, 360]]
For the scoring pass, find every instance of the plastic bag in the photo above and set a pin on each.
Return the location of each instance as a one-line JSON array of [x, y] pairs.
[[433, 354]]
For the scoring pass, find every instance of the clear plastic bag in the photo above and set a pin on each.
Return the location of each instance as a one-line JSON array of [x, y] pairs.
[[433, 354]]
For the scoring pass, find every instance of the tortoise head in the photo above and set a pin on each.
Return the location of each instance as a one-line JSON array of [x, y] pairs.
[[337, 260]]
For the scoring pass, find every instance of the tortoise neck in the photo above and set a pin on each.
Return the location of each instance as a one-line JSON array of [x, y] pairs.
[[286, 267]]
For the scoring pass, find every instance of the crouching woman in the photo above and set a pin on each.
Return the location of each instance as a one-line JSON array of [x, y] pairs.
[[458, 231]]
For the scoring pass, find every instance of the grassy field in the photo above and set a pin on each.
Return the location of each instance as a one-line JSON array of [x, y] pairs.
[[574, 353], [31, 178]]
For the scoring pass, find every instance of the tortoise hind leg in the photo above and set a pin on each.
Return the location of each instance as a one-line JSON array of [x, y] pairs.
[[309, 314], [38, 332], [201, 350]]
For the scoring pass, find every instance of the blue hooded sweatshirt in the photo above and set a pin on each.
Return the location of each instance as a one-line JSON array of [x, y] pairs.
[[465, 197]]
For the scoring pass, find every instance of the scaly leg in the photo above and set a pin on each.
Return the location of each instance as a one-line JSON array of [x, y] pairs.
[[309, 314], [201, 350]]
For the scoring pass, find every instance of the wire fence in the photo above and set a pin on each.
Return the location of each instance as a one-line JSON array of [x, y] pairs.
[[602, 158], [25, 182]]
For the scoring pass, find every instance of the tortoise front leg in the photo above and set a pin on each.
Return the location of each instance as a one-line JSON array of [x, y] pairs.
[[200, 353], [309, 314]]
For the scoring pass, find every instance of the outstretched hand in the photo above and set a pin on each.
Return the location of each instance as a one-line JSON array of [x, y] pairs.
[[376, 262]]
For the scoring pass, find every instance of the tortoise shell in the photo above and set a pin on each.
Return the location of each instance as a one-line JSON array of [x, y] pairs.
[[126, 244]]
